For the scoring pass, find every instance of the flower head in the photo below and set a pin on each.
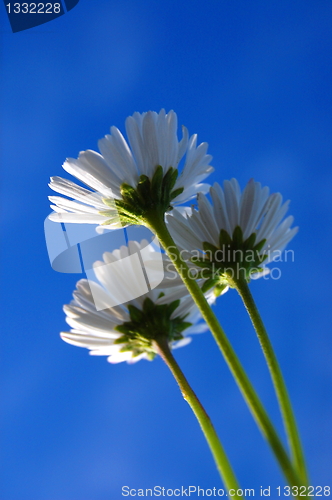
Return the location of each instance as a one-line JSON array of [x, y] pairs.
[[238, 232], [127, 332], [128, 178]]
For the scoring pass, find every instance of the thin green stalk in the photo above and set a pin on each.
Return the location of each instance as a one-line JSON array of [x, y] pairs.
[[158, 226], [219, 455], [278, 381]]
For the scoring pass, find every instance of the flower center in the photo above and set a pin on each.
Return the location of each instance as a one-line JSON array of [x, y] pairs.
[[154, 194], [151, 323], [235, 258]]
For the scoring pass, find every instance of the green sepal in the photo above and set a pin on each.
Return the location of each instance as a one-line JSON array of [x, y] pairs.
[[209, 283], [176, 193], [224, 238], [262, 258], [249, 242], [169, 180], [172, 306], [183, 326], [148, 306], [143, 188], [259, 246], [108, 213], [123, 338], [219, 289], [156, 183], [256, 270], [135, 314], [166, 183], [237, 236], [110, 202], [127, 191], [208, 247]]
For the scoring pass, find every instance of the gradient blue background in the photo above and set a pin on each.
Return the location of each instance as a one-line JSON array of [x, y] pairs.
[[253, 79]]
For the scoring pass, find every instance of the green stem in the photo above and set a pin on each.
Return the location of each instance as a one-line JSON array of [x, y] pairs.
[[219, 455], [157, 225], [278, 381]]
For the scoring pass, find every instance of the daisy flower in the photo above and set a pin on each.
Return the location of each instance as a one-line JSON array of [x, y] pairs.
[[238, 232], [126, 332], [131, 177]]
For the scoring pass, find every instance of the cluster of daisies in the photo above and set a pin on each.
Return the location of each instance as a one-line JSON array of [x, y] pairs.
[[128, 180]]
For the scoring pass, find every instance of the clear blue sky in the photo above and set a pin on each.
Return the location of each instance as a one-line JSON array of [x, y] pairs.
[[253, 79]]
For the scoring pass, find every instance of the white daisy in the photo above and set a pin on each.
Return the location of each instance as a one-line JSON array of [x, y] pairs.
[[126, 332], [152, 142], [237, 228]]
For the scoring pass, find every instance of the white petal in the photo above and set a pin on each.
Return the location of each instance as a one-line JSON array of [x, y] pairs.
[[69, 188], [118, 156], [73, 206], [77, 218], [182, 233], [232, 204], [181, 343]]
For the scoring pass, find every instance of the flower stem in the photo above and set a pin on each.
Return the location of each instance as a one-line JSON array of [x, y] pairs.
[[219, 455], [278, 381], [158, 226]]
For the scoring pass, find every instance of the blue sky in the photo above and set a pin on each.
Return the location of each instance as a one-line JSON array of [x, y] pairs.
[[253, 79]]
